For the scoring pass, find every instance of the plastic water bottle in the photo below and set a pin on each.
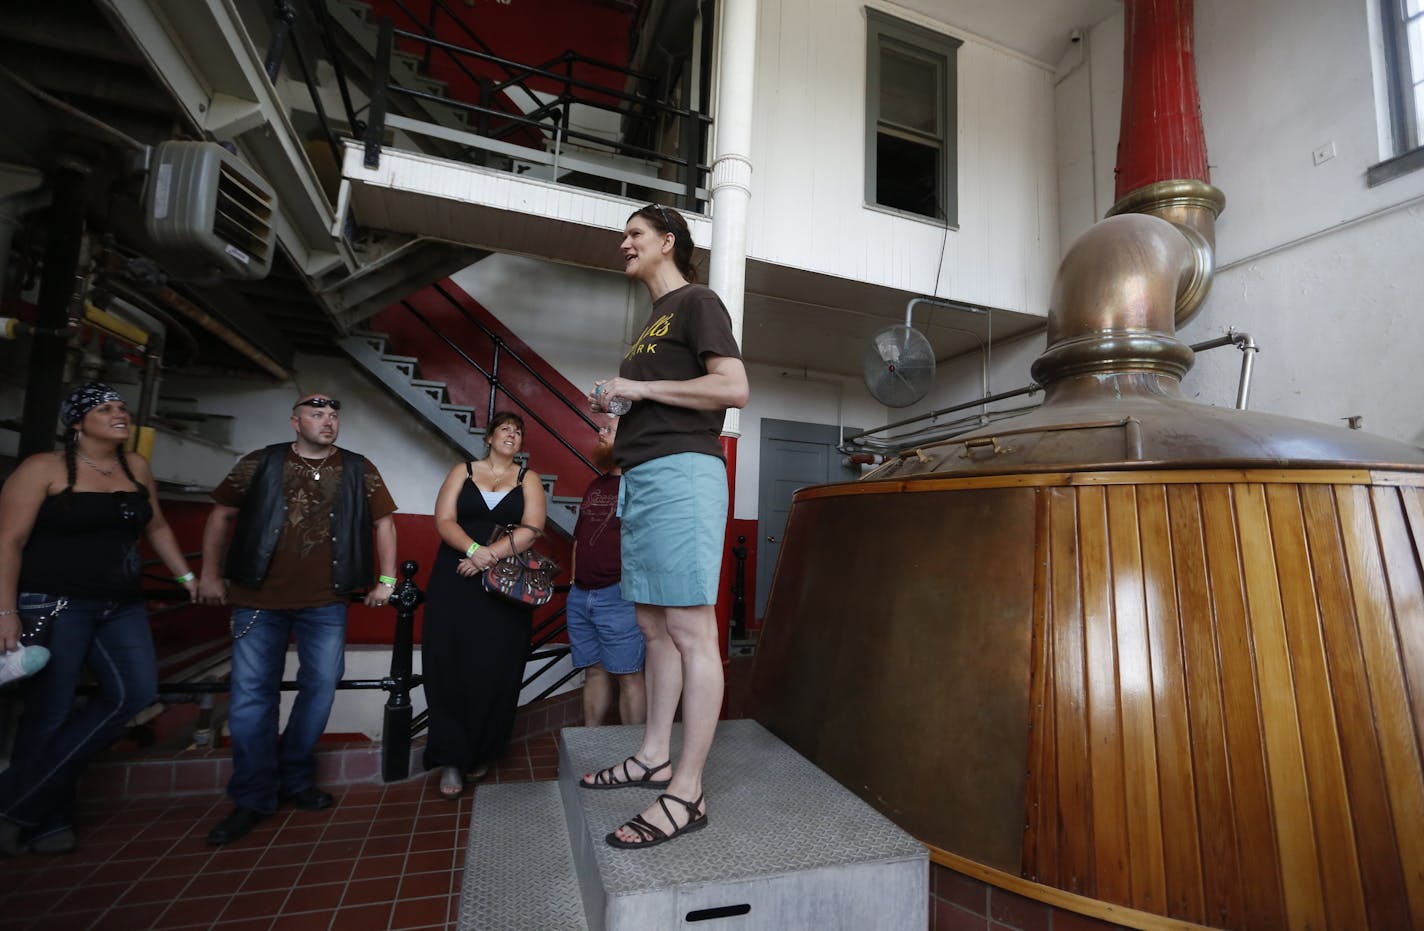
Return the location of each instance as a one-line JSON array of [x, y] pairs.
[[22, 661], [614, 405]]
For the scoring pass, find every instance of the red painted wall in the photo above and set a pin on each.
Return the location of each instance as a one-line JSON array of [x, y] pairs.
[[445, 306]]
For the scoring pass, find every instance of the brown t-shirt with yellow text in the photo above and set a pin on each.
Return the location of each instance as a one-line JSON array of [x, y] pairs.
[[300, 573], [685, 326]]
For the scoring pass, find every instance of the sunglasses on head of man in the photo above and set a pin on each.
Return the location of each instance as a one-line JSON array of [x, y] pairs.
[[319, 402]]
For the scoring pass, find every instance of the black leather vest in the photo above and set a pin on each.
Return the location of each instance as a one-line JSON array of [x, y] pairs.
[[264, 512]]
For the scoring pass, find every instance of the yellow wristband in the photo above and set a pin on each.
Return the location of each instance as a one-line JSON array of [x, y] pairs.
[[471, 550], [386, 580]]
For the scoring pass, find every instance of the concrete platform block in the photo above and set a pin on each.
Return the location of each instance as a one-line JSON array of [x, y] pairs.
[[786, 847]]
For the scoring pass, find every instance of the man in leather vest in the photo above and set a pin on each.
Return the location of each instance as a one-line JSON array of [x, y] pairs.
[[288, 540]]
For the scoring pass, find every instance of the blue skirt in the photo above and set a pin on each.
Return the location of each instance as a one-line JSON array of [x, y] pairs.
[[674, 513]]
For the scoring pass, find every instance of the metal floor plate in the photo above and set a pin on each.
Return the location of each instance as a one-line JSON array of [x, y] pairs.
[[519, 873]]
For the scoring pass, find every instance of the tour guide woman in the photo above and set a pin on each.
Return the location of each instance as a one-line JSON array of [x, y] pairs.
[[69, 528], [681, 375]]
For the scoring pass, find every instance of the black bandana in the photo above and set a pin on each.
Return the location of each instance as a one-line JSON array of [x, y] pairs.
[[84, 399]]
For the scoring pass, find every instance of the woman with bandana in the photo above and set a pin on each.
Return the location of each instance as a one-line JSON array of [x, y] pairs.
[[69, 560]]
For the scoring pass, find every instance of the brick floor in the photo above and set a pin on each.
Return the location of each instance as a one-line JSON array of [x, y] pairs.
[[387, 856]]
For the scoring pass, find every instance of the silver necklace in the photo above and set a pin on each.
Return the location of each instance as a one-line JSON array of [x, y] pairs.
[[95, 466], [496, 479], [315, 469]]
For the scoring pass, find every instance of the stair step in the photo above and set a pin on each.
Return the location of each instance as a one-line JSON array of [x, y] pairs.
[[406, 365], [435, 389], [463, 413], [519, 872], [785, 847]]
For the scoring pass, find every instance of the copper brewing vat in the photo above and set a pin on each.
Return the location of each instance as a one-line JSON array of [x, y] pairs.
[[1165, 658]]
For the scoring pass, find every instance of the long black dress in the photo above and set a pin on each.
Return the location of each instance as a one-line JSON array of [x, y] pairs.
[[474, 645]]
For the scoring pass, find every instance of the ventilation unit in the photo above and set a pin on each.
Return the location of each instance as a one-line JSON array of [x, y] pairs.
[[207, 211]]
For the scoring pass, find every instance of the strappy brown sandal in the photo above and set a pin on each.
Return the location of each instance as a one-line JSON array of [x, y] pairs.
[[603, 779], [650, 835]]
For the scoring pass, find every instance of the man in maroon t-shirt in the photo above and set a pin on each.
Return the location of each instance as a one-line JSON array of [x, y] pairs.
[[604, 638]]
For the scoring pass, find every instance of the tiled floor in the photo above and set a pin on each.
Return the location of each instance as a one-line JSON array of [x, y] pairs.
[[387, 856]]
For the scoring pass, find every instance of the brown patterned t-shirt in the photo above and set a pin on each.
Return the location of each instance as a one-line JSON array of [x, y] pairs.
[[300, 574]]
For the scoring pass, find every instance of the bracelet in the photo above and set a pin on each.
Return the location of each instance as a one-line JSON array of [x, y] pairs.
[[470, 550], [9, 612], [185, 578], [386, 580]]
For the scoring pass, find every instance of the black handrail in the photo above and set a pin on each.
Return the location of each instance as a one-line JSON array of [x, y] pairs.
[[496, 385], [399, 726], [328, 41], [501, 344], [556, 77], [521, 120], [549, 117]]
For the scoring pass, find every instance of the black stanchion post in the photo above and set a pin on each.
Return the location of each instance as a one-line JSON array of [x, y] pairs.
[[395, 727], [739, 590]]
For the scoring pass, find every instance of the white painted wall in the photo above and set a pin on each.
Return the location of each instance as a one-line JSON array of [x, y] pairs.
[[808, 190], [1323, 271], [411, 459], [581, 320]]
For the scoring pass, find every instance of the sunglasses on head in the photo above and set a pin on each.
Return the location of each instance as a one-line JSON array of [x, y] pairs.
[[319, 402]]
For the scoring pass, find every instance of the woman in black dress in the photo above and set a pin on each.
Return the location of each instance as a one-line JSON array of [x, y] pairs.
[[475, 643]]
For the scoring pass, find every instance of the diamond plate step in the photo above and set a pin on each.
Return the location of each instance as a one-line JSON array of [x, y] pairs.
[[519, 874], [786, 846]]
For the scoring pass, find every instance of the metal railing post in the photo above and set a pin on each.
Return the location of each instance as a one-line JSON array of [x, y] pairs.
[[739, 590], [395, 725], [494, 378], [283, 15], [376, 129]]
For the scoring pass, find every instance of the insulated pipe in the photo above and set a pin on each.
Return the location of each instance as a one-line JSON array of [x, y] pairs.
[[731, 188]]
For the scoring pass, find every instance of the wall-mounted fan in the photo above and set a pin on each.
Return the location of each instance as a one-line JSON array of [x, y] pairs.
[[899, 366]]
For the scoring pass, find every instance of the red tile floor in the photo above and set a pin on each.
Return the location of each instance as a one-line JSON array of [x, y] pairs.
[[386, 856]]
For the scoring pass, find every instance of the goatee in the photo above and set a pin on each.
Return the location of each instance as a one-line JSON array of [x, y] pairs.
[[602, 457]]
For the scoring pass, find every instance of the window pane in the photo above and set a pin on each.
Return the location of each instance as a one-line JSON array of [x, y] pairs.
[[1419, 114], [909, 91], [907, 175], [1414, 38], [1413, 7]]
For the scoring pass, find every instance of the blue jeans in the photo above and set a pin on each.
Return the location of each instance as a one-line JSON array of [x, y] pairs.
[[56, 739], [603, 630], [264, 766]]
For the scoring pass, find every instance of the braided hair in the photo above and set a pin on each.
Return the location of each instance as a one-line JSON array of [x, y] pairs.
[[665, 220], [71, 464]]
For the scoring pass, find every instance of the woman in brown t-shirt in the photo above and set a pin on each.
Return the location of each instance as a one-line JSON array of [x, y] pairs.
[[680, 375]]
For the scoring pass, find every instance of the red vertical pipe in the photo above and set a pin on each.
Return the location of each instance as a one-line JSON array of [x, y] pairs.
[[1161, 136], [724, 604]]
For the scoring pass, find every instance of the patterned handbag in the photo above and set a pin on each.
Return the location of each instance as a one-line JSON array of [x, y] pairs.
[[526, 577]]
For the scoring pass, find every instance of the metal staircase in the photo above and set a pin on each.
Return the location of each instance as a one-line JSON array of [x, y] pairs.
[[456, 423]]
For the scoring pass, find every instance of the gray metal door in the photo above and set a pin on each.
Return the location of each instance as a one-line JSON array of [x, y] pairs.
[[793, 455]]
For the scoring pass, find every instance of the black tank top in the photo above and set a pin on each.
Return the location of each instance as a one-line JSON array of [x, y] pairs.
[[85, 545]]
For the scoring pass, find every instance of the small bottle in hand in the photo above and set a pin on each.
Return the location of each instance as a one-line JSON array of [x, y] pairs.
[[614, 405]]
